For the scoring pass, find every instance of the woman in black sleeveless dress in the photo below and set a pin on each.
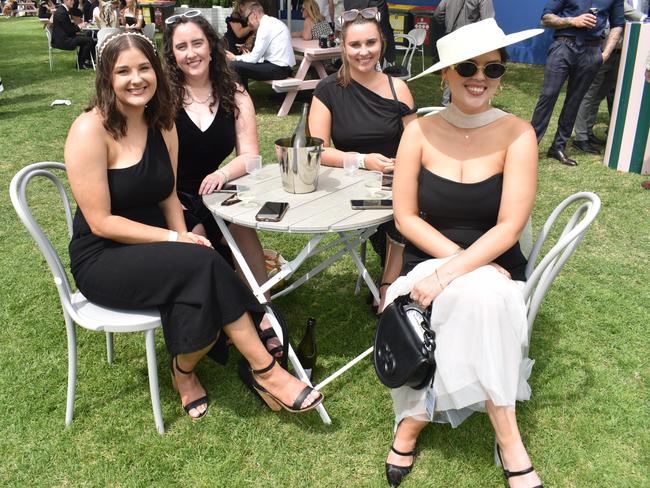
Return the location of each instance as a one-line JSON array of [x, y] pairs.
[[363, 110], [464, 189], [238, 33], [214, 116], [130, 247]]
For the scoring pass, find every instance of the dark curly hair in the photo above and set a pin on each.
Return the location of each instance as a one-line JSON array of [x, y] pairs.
[[158, 112], [222, 77]]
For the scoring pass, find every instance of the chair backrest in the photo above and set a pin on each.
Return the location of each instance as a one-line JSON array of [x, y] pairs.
[[540, 276], [18, 194], [424, 111], [105, 32], [148, 30], [419, 35], [405, 72]]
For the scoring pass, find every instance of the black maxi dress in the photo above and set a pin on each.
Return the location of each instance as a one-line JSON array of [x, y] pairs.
[[196, 291]]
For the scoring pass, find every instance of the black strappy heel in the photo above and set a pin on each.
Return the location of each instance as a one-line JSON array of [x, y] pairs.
[[511, 474], [276, 404], [269, 334], [193, 404], [395, 474]]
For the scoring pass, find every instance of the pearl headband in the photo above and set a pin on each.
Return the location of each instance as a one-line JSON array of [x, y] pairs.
[[122, 34]]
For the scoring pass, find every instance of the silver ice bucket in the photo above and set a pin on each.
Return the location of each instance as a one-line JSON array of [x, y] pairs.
[[299, 166]]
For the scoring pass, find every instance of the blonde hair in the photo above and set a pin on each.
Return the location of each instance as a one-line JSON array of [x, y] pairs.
[[313, 10]]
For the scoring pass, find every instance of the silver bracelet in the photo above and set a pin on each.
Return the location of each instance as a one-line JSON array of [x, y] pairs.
[[173, 236]]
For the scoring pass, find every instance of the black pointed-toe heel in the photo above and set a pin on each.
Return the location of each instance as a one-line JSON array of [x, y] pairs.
[[195, 403], [395, 474], [275, 403], [511, 474]]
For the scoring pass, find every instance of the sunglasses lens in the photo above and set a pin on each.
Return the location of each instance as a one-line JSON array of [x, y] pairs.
[[494, 70], [368, 13], [466, 69]]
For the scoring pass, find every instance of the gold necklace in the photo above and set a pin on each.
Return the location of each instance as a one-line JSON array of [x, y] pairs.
[[200, 102]]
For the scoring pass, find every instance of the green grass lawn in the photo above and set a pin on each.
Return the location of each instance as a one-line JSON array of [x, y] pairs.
[[586, 424]]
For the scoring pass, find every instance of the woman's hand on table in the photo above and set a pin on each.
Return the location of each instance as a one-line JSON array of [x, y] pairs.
[[213, 182], [379, 162], [191, 238]]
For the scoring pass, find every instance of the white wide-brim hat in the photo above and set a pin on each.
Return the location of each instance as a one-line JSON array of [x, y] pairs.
[[473, 40]]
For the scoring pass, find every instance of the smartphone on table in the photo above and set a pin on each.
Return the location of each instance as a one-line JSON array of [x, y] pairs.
[[371, 204], [387, 181], [228, 188], [272, 212], [231, 200]]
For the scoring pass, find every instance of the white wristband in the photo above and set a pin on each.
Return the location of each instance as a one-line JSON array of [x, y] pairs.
[[173, 236], [361, 160]]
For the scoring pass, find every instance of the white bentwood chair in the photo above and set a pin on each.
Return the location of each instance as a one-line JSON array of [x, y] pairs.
[[104, 33], [419, 36], [48, 33], [76, 308], [403, 71], [541, 271]]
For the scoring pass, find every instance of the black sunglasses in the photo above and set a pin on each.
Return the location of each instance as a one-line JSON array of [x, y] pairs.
[[467, 69]]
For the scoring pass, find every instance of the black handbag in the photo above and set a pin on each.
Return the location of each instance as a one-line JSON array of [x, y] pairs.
[[405, 345]]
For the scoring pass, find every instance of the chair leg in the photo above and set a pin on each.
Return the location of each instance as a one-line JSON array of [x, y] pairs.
[[72, 368], [362, 256], [109, 347], [152, 366]]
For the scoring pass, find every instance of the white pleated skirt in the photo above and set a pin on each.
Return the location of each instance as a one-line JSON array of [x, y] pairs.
[[481, 337]]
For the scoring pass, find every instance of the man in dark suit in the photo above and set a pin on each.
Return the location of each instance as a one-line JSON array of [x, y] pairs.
[[576, 54], [67, 35]]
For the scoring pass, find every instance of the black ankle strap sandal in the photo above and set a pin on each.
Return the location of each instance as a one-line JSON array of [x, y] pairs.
[[275, 403], [195, 403]]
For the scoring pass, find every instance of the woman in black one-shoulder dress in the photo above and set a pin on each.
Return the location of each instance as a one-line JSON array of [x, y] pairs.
[[130, 247]]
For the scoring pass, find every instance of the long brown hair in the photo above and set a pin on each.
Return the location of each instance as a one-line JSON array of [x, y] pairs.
[[222, 77], [157, 113], [343, 76]]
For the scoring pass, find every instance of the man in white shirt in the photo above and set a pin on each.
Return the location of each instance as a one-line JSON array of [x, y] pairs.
[[272, 55]]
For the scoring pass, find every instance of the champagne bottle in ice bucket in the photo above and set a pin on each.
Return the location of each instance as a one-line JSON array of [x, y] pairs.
[[306, 351], [301, 134]]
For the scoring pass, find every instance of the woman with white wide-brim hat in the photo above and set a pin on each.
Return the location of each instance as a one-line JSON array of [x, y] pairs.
[[464, 188]]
